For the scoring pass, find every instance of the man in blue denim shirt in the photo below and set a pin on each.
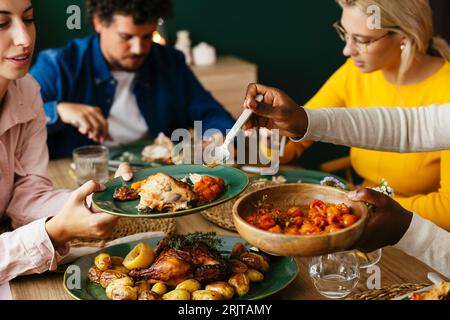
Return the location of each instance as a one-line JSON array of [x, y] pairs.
[[118, 85]]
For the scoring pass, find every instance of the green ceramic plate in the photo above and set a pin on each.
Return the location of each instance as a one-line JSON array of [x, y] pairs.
[[134, 150], [305, 176], [235, 182], [283, 270]]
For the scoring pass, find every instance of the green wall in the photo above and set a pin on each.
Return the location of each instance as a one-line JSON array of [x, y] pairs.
[[51, 20], [292, 42]]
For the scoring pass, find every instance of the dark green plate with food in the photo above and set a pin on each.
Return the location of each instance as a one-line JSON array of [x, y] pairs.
[[235, 183], [283, 270], [132, 154], [301, 176]]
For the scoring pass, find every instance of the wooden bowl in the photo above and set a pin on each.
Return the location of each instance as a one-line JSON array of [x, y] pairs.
[[300, 195]]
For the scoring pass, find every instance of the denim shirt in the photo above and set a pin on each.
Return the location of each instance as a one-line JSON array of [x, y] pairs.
[[168, 94]]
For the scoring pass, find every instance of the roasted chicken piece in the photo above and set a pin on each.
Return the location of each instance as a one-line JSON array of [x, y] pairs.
[[125, 194], [160, 151], [162, 192], [173, 266]]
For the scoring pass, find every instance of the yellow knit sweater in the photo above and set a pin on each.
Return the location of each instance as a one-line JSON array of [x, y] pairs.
[[421, 181]]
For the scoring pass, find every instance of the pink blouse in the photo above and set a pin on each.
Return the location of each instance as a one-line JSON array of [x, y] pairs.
[[27, 196]]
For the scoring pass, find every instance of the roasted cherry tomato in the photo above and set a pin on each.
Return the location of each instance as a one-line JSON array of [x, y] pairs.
[[332, 228], [276, 229], [266, 222], [349, 219], [295, 212]]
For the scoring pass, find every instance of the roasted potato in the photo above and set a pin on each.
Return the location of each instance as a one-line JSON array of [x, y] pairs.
[[94, 274], [159, 288], [125, 281], [142, 286], [103, 261], [255, 261], [206, 295], [190, 285], [240, 283], [237, 250], [109, 275], [238, 266], [254, 275], [225, 289], [120, 269], [177, 294], [116, 261], [116, 291], [149, 295]]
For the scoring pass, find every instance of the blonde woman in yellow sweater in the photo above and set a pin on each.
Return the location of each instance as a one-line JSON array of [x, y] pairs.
[[401, 64]]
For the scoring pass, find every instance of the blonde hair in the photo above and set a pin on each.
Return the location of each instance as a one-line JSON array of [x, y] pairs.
[[412, 19]]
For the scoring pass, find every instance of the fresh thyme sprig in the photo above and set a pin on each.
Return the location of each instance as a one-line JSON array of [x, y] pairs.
[[193, 240]]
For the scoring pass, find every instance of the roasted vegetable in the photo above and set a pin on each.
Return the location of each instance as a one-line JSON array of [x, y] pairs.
[[208, 188], [142, 286], [149, 295], [177, 294], [240, 283], [110, 275], [238, 249], [121, 289], [125, 194], [159, 288], [206, 295], [116, 261], [116, 291], [254, 275], [225, 289], [190, 285], [255, 261], [125, 281], [238, 266], [94, 274], [320, 218], [120, 269], [103, 261]]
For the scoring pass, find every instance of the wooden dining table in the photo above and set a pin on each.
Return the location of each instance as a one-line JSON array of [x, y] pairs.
[[395, 266]]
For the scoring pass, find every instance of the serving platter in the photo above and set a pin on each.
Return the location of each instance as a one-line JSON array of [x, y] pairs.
[[283, 270]]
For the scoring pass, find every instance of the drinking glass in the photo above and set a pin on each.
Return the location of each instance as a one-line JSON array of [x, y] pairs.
[[91, 163], [368, 259], [335, 275]]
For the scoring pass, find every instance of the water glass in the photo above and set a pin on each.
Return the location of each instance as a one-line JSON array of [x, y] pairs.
[[369, 259], [91, 163], [335, 275]]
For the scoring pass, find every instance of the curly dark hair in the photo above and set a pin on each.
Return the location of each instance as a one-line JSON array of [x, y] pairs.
[[142, 11]]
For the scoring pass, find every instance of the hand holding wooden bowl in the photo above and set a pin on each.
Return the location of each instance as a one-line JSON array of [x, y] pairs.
[[298, 195]]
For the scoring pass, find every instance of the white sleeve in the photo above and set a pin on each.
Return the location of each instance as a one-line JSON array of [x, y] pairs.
[[427, 242], [387, 129]]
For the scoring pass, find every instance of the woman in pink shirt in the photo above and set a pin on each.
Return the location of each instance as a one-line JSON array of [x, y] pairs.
[[44, 219]]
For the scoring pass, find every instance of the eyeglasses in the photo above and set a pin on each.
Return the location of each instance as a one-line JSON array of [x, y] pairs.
[[361, 46]]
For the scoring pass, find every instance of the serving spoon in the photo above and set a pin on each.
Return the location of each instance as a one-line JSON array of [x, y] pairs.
[[221, 153]]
